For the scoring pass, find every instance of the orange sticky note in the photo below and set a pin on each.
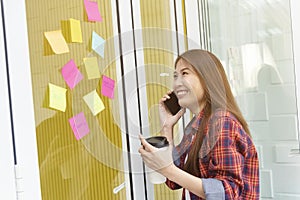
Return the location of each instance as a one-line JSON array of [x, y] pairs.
[[57, 42]]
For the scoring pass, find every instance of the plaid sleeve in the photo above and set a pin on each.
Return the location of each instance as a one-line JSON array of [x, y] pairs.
[[179, 158], [178, 161], [228, 156]]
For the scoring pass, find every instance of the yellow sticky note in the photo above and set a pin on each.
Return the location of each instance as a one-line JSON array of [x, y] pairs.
[[71, 30], [76, 35], [57, 97], [57, 42], [94, 102], [91, 67]]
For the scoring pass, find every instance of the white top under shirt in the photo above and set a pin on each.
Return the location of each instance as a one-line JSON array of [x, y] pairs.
[[187, 193]]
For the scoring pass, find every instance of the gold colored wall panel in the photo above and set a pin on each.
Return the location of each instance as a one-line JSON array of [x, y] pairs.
[[71, 169]]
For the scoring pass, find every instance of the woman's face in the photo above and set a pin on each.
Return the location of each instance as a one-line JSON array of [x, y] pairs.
[[187, 87]]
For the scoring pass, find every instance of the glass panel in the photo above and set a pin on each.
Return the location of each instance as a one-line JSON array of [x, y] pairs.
[[158, 63], [74, 163], [254, 41]]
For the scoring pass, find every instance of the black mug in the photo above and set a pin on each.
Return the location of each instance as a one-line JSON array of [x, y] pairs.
[[158, 141]]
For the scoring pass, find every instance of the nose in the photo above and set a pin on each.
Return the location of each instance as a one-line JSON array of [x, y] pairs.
[[177, 82]]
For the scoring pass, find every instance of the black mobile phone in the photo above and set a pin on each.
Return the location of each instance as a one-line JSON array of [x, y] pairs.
[[172, 104]]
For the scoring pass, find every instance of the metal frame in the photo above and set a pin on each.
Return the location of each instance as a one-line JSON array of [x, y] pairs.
[[22, 110], [7, 173], [295, 6], [130, 79]]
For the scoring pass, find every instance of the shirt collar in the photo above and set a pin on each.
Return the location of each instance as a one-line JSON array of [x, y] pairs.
[[197, 120]]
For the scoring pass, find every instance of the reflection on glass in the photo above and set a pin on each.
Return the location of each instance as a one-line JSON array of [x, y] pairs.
[[254, 40], [246, 62]]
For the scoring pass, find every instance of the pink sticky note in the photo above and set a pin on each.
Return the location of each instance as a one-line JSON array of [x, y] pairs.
[[71, 74], [92, 11], [79, 125], [108, 86]]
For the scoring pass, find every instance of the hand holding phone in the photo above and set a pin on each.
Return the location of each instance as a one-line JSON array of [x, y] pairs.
[[172, 104]]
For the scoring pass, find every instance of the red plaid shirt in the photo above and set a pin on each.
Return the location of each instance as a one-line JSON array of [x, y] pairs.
[[227, 154]]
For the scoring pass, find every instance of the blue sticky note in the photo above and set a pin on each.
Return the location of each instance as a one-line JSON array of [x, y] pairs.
[[98, 44]]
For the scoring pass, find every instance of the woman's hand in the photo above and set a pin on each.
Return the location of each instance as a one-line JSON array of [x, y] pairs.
[[154, 158], [166, 118]]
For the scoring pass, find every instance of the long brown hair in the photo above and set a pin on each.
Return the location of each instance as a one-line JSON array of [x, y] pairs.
[[217, 94]]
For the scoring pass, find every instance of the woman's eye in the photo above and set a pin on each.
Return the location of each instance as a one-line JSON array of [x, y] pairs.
[[184, 73], [175, 76]]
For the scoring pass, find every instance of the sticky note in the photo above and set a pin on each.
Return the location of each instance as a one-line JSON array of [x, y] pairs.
[[79, 125], [98, 44], [57, 42], [92, 11], [107, 87], [76, 35], [71, 30], [71, 74], [94, 102], [91, 67], [57, 97]]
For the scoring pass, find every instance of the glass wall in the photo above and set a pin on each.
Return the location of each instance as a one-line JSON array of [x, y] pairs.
[[254, 41], [159, 52]]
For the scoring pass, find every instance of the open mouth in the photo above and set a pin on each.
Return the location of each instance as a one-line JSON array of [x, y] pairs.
[[181, 93]]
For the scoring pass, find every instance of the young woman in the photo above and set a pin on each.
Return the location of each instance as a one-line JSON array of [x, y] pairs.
[[216, 158]]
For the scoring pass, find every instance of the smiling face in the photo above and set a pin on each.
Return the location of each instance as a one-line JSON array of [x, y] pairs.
[[187, 87]]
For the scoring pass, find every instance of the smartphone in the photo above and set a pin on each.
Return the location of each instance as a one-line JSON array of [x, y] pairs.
[[172, 104]]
